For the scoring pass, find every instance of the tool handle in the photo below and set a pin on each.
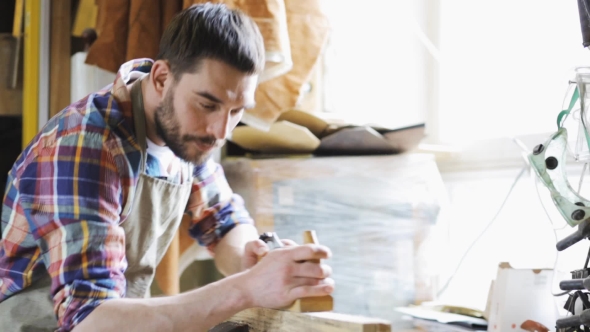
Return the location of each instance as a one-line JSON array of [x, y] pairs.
[[568, 322], [573, 321], [573, 238], [272, 240], [310, 237], [572, 284], [584, 11]]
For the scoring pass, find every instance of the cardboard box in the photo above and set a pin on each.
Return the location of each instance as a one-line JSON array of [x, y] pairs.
[[518, 295]]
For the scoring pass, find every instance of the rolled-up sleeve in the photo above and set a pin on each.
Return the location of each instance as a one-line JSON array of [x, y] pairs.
[[71, 196], [213, 207]]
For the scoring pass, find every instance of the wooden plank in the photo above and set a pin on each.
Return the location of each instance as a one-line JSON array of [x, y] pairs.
[[313, 304], [318, 303], [262, 320], [59, 67]]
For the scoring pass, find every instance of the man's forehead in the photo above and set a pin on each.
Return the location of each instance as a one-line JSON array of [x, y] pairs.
[[227, 87]]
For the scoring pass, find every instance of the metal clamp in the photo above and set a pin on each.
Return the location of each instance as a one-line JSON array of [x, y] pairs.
[[272, 240]]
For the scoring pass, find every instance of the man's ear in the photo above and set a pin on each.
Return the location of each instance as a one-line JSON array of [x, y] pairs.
[[160, 76]]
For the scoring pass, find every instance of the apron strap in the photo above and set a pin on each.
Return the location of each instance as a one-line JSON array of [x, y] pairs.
[[139, 120]]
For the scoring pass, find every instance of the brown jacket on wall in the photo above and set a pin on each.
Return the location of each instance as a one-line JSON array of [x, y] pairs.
[[295, 33]]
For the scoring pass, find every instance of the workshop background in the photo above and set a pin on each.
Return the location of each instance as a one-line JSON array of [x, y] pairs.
[[395, 129]]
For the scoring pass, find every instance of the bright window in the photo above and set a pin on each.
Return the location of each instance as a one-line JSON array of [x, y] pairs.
[[505, 66], [478, 73], [375, 67], [471, 70]]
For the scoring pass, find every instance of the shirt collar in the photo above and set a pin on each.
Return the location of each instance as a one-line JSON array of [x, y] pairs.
[[128, 72]]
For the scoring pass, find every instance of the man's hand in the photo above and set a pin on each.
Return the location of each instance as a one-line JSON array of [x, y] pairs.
[[257, 249], [276, 281], [285, 275], [240, 249]]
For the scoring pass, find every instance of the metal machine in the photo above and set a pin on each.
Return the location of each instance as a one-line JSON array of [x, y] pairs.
[[549, 162]]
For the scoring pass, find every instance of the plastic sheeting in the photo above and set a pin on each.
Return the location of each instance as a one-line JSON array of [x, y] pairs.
[[380, 216]]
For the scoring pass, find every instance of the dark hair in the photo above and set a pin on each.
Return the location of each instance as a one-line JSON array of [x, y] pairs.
[[212, 31]]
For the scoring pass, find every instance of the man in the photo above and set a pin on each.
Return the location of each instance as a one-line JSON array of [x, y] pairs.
[[93, 201]]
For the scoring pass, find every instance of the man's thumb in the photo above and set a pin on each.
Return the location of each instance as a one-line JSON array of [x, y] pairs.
[[260, 248]]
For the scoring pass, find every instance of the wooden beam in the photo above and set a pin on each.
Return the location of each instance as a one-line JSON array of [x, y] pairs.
[[17, 33], [167, 275], [11, 97], [31, 70], [17, 24], [60, 60], [261, 320]]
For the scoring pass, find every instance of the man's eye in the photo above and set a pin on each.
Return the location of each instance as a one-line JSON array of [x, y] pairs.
[[237, 111], [208, 106]]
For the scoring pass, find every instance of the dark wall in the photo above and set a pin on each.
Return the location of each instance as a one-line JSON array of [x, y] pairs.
[[6, 15], [10, 127], [10, 148]]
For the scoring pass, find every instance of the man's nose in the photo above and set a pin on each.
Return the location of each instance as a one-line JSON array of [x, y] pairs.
[[218, 127]]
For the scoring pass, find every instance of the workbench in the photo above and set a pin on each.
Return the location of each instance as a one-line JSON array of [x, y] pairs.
[[266, 320]]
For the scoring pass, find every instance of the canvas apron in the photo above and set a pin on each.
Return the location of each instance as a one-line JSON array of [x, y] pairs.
[[155, 217]]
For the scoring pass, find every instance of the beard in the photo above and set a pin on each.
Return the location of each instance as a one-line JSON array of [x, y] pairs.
[[183, 146]]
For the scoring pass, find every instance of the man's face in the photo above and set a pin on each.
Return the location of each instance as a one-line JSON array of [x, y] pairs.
[[202, 108]]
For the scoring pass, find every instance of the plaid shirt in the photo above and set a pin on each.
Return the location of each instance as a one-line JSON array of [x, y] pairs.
[[64, 202]]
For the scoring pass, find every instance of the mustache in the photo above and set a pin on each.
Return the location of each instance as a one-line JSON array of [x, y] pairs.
[[205, 140]]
